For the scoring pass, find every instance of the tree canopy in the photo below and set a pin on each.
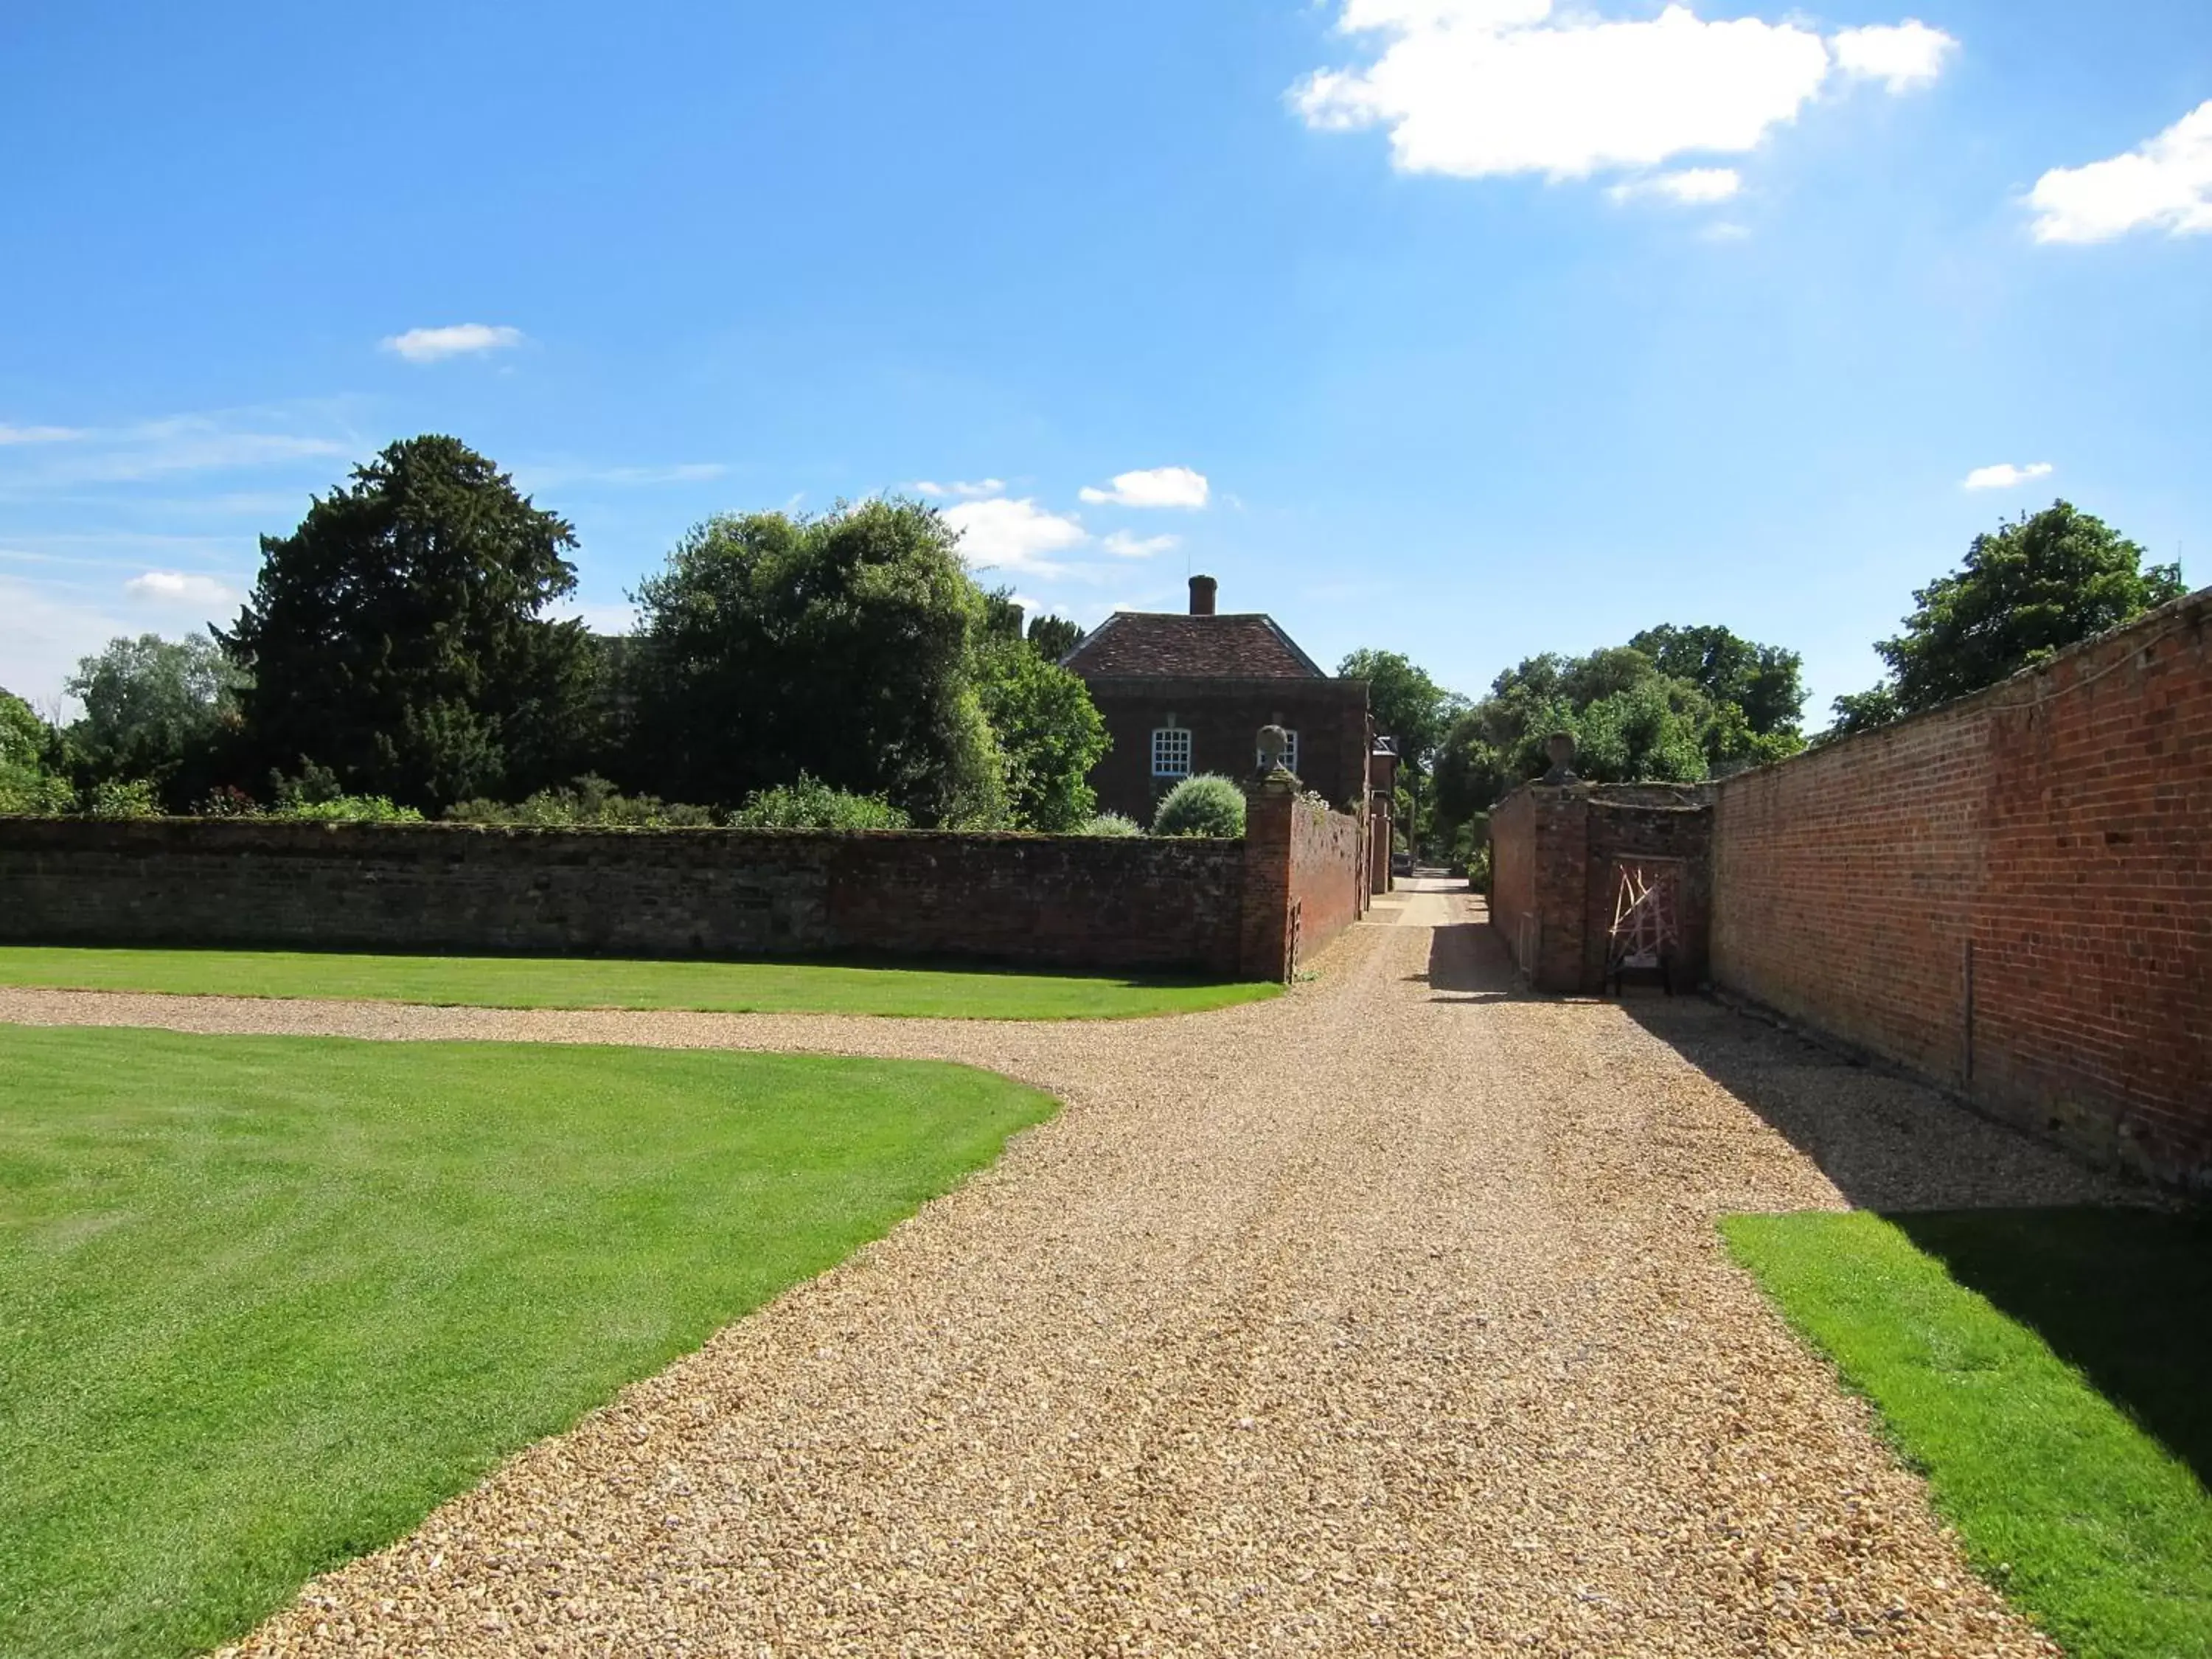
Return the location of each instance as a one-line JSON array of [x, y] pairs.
[[841, 645], [1406, 703], [2026, 591], [152, 705], [1674, 705], [1047, 727], [399, 635], [27, 781]]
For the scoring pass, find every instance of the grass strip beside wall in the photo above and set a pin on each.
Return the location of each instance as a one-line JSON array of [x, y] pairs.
[[2047, 1371], [779, 986]]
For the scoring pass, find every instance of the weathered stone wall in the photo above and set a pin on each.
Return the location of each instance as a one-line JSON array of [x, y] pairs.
[[1047, 899], [2011, 896]]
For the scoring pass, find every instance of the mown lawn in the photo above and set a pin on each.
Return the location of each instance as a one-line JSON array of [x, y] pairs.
[[600, 982], [264, 1301], [2047, 1370]]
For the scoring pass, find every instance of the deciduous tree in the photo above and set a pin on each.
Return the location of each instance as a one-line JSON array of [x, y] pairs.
[[2026, 590], [840, 645], [152, 707]]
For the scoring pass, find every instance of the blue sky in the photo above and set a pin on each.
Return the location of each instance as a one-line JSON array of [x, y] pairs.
[[1468, 328]]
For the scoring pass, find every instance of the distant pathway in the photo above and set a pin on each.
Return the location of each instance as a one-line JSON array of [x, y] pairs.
[[1387, 1317]]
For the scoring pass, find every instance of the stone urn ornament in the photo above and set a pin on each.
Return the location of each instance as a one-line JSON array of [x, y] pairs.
[[1274, 743], [1560, 746]]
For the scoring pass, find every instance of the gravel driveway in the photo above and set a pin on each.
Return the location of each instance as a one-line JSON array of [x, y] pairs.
[[1386, 1318]]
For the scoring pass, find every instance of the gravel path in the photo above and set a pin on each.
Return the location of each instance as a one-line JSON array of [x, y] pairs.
[[1386, 1318]]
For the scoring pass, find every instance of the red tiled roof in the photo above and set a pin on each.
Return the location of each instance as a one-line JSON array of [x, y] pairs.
[[1248, 645]]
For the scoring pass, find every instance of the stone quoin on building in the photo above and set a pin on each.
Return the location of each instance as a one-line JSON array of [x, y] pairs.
[[1184, 694]]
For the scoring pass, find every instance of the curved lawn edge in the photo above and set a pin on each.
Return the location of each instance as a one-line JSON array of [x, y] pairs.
[[297, 1292], [588, 983]]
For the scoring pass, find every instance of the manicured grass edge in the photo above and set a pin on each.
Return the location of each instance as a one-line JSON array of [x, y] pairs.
[[1156, 997], [2085, 1524]]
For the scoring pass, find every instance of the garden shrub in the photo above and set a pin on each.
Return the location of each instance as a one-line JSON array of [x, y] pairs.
[[1112, 825], [1207, 805], [811, 803], [591, 801], [122, 798], [29, 792], [348, 809]]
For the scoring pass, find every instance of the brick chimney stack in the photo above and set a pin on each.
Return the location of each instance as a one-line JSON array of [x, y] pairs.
[[1202, 595]]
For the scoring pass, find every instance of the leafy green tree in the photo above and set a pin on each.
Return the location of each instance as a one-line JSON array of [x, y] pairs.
[[1050, 732], [2026, 591], [1674, 705], [841, 646], [28, 782], [1765, 682], [399, 635], [1862, 711], [152, 705], [1406, 704]]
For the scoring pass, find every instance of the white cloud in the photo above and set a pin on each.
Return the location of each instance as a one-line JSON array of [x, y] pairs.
[[966, 490], [37, 434], [2164, 184], [181, 588], [1690, 186], [1901, 55], [430, 345], [1478, 88], [1158, 486], [1124, 545], [1004, 534], [2005, 475]]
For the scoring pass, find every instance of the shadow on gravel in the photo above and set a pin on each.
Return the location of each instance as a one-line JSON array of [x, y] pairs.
[[1467, 958], [2124, 1295], [1887, 1142]]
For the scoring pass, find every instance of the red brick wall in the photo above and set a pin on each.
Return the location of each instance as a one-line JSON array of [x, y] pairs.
[[1329, 874], [1552, 850], [1304, 879], [2059, 827], [1513, 874], [1629, 831]]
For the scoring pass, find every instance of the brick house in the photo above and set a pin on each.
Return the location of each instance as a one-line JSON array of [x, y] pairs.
[[1185, 694]]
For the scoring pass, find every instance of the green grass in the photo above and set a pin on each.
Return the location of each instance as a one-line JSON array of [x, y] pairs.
[[604, 982], [266, 1301], [2051, 1372]]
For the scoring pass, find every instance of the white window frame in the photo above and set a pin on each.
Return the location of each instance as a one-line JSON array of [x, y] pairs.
[[1290, 752], [1170, 751]]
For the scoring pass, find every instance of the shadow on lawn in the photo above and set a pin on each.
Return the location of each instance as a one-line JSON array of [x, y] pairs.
[[2124, 1295]]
